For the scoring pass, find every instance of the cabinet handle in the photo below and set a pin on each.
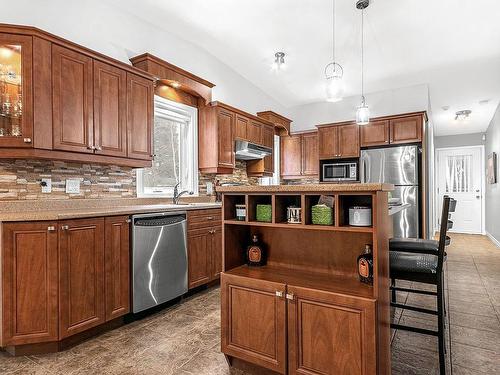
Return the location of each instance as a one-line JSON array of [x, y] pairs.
[[210, 218], [51, 228], [128, 221], [64, 227], [98, 148], [27, 140], [211, 231], [90, 147], [279, 294], [290, 296]]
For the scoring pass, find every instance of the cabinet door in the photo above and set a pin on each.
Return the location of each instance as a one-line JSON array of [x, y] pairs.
[[216, 250], [240, 130], [110, 110], [81, 275], [268, 140], [348, 138], [199, 257], [291, 150], [16, 98], [376, 133], [72, 100], [225, 121], [117, 266], [330, 333], [406, 130], [253, 320], [328, 142], [254, 132], [29, 283], [310, 160], [139, 117]]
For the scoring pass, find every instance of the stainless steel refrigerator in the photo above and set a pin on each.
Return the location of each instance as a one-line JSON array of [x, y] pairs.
[[397, 166]]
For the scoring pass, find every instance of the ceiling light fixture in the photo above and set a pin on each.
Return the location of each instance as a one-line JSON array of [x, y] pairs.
[[334, 72], [279, 61], [363, 112], [462, 115]]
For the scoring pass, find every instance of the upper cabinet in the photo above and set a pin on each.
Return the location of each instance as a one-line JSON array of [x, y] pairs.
[[254, 132], [299, 155], [16, 101], [375, 133], [65, 102], [338, 141], [393, 130], [406, 129]]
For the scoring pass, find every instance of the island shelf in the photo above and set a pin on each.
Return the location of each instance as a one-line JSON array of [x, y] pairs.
[[309, 290]]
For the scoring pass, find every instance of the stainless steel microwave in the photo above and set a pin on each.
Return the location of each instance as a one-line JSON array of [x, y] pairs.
[[335, 172]]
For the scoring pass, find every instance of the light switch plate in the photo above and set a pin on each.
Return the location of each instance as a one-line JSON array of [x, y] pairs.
[[73, 186], [48, 185], [210, 188]]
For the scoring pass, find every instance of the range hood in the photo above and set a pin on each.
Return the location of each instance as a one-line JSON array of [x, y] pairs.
[[250, 151]]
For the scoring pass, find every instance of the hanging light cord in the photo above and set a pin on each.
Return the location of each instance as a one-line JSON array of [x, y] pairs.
[[333, 34], [362, 56]]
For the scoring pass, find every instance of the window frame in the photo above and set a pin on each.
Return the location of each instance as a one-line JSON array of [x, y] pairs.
[[176, 112]]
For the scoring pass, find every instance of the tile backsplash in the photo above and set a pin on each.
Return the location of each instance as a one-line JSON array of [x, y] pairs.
[[20, 180]]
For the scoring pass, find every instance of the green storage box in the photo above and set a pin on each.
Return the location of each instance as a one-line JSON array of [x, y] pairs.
[[321, 215], [264, 212]]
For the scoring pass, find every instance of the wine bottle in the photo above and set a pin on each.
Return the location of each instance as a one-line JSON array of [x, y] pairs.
[[256, 254], [365, 265]]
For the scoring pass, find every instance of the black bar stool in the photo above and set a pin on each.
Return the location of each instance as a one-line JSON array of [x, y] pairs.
[[422, 261]]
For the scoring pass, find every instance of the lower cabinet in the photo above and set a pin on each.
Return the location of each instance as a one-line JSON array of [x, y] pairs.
[[204, 247], [306, 331]]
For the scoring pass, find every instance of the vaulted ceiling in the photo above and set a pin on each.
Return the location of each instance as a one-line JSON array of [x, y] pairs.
[[453, 46]]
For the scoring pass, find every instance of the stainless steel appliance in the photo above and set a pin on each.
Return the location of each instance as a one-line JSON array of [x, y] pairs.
[[337, 172], [250, 151], [159, 259], [397, 166]]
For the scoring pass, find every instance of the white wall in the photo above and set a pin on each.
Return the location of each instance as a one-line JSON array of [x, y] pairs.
[[121, 35], [391, 102]]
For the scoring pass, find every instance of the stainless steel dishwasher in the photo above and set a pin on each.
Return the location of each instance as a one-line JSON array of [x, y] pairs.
[[159, 258]]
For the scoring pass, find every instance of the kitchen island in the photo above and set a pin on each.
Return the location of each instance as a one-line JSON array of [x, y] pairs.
[[306, 311]]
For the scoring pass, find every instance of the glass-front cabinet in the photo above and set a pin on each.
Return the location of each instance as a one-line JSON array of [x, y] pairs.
[[16, 115]]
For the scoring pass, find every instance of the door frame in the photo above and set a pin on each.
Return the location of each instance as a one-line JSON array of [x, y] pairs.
[[437, 214]]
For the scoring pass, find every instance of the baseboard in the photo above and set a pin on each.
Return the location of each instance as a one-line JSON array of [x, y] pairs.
[[493, 239]]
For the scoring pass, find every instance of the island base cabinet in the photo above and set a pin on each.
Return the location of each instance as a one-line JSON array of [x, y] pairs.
[[29, 283], [330, 333], [81, 275], [254, 321]]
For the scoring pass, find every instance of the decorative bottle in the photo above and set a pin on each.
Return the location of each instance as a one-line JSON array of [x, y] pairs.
[[256, 254], [365, 265]]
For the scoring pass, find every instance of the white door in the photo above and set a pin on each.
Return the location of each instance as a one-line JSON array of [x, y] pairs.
[[460, 176]]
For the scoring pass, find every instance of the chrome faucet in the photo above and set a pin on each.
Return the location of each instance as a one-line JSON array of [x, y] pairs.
[[177, 195]]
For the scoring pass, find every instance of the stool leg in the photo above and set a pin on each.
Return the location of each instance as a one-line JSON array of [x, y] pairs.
[[393, 292], [441, 327]]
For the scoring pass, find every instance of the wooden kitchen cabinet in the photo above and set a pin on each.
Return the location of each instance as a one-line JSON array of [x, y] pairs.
[[338, 141], [29, 283], [254, 132], [264, 167], [72, 100], [299, 155], [110, 110], [253, 315], [117, 266], [139, 117], [406, 129], [240, 128], [322, 323], [376, 133], [204, 246], [81, 275]]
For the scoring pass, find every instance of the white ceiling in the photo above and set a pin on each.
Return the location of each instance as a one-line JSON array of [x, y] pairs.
[[451, 45]]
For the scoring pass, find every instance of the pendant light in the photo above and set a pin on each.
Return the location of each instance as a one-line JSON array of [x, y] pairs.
[[334, 72], [362, 113]]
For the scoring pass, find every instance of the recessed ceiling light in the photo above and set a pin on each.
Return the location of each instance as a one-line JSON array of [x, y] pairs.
[[279, 61], [484, 102], [445, 107], [462, 115]]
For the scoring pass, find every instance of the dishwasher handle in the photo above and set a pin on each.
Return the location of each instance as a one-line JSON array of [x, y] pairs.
[[159, 221]]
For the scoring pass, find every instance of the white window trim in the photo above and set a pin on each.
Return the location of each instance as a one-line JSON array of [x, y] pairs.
[[177, 112]]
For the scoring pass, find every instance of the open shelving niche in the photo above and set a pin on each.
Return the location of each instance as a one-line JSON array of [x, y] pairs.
[[315, 256]]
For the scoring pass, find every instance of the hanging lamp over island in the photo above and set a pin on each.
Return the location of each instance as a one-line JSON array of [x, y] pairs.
[[363, 112]]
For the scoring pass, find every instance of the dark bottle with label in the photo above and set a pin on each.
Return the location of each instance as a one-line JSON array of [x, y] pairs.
[[365, 265], [256, 253]]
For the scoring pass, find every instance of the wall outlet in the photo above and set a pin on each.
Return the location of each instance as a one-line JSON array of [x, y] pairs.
[[46, 185], [210, 188], [72, 186]]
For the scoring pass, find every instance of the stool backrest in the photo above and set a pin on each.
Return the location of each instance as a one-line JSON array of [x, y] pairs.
[[449, 205]]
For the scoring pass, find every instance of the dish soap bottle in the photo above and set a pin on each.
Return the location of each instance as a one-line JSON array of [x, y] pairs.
[[365, 265], [256, 254]]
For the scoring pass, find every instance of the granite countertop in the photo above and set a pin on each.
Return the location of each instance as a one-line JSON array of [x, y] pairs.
[[306, 188], [73, 209]]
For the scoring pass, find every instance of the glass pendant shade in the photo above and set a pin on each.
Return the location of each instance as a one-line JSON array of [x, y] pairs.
[[363, 114], [334, 89]]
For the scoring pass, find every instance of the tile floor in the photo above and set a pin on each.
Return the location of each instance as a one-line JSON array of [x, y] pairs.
[[184, 339]]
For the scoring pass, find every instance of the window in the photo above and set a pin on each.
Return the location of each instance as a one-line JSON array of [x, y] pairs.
[[175, 149]]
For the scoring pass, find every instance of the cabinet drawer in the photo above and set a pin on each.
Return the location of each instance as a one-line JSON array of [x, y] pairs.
[[204, 218]]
